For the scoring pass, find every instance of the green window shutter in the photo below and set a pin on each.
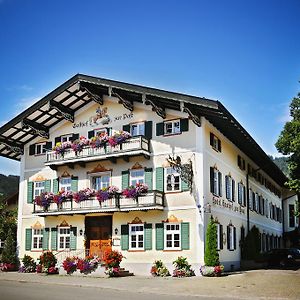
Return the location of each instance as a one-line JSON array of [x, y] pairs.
[[124, 237], [28, 239], [126, 128], [159, 179], [184, 185], [47, 185], [148, 130], [73, 238], [54, 238], [48, 146], [74, 184], [32, 149], [148, 236], [91, 134], [184, 125], [30, 192], [57, 140], [46, 239], [159, 233], [55, 184], [185, 236], [160, 128], [125, 179], [149, 178]]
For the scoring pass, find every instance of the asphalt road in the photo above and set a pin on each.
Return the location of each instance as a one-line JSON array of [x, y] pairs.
[[10, 290]]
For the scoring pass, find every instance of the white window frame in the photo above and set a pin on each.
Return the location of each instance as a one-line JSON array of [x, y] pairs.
[[175, 127], [40, 148], [230, 238], [173, 174], [66, 238], [133, 177], [37, 189], [256, 202], [219, 233], [250, 199], [63, 185], [169, 231], [100, 130], [68, 138], [228, 188], [140, 129], [103, 184], [217, 184], [137, 234], [241, 194], [37, 235]]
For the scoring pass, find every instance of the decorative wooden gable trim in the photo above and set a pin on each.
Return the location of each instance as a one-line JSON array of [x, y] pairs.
[[172, 219], [64, 224], [65, 174], [37, 225], [136, 220], [99, 168], [39, 178], [137, 165]]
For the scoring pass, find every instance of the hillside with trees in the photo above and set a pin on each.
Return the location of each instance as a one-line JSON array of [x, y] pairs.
[[282, 163], [8, 184]]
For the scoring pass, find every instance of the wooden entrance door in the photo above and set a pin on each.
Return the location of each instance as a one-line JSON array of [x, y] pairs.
[[99, 232]]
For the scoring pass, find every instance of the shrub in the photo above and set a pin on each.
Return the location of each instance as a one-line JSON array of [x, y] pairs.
[[29, 265], [182, 268], [159, 269], [251, 244], [211, 255], [10, 259]]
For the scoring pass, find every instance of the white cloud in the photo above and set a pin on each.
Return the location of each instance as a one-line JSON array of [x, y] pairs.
[[285, 116]]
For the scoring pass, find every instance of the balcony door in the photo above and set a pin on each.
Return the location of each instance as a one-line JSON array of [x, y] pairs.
[[98, 232], [100, 181]]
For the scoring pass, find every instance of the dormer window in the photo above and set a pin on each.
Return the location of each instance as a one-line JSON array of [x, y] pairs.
[[215, 142]]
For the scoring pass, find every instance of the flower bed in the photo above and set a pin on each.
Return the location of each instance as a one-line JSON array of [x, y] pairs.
[[85, 266], [209, 271]]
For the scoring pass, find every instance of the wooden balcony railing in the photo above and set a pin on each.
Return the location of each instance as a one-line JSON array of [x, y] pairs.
[[133, 146], [151, 200]]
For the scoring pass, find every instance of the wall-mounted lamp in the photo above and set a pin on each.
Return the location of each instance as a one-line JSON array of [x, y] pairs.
[[81, 232], [116, 230], [207, 208]]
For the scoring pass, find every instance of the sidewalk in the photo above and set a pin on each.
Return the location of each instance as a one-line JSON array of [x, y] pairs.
[[266, 284]]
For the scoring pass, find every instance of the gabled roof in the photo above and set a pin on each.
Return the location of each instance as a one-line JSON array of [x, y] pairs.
[[82, 89]]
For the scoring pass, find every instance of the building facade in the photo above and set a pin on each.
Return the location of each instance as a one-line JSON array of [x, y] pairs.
[[197, 161]]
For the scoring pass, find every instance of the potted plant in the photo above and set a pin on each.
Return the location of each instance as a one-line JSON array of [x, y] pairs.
[[99, 141], [47, 263], [135, 191], [62, 196], [61, 147], [29, 265], [106, 193], [112, 260], [82, 195], [78, 145], [44, 200], [182, 268], [158, 269]]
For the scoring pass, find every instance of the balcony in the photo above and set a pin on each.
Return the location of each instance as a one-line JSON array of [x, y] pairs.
[[134, 146], [151, 201]]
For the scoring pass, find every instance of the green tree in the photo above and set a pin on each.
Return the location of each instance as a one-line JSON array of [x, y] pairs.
[[211, 255], [9, 254], [288, 143]]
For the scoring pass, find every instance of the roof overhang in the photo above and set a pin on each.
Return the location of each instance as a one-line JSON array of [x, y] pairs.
[[64, 101]]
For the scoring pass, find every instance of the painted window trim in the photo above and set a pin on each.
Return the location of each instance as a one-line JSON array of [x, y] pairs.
[[136, 178], [219, 240], [61, 185], [64, 235], [230, 238], [100, 174], [39, 239], [173, 232], [138, 124], [43, 149], [173, 131], [165, 181], [69, 137], [38, 188], [130, 237]]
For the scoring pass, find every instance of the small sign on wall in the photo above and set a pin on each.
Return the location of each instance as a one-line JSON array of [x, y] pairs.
[[116, 242]]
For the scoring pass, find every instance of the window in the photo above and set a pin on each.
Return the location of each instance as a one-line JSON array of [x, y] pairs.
[[64, 238], [172, 180], [100, 182], [256, 202], [215, 142], [136, 176], [250, 199], [40, 148], [271, 211], [172, 127], [172, 236], [215, 182], [137, 129], [136, 236], [66, 138], [266, 208], [241, 194], [231, 237], [219, 236], [65, 184], [241, 163], [39, 187], [230, 187], [291, 215], [100, 131], [37, 239], [2, 244]]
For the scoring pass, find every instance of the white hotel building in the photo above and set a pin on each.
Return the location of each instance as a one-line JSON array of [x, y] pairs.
[[225, 174]]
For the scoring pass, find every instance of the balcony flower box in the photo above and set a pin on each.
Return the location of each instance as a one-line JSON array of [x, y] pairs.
[[135, 191], [44, 200], [106, 193]]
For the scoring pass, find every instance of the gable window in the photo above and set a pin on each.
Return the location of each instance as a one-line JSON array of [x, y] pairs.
[[219, 236], [136, 236], [137, 129], [66, 138], [100, 181], [136, 176], [37, 239], [172, 236], [230, 187], [231, 237], [65, 184], [39, 187], [241, 194], [215, 182], [172, 180], [40, 148], [215, 142], [63, 238], [172, 127]]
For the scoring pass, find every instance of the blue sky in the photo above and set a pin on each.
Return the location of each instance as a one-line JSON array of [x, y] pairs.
[[244, 53]]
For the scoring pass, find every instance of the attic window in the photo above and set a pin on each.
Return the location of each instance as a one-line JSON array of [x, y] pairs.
[[215, 142]]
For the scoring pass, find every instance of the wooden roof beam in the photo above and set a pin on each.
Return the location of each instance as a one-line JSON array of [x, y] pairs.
[[66, 112], [160, 111], [38, 129], [13, 147], [192, 116], [126, 103], [91, 93]]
